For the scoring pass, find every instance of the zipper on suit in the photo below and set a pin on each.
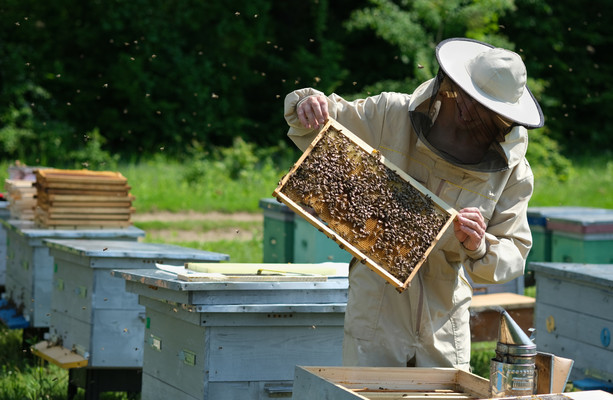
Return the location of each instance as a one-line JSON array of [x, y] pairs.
[[420, 305]]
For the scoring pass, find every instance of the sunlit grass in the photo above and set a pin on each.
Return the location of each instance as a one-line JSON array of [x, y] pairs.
[[590, 185]]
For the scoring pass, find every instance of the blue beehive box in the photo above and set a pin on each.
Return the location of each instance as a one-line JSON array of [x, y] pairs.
[[29, 266], [4, 214], [91, 312]]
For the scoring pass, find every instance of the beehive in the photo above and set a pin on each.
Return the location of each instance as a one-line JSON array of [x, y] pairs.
[[236, 339], [368, 205], [29, 266]]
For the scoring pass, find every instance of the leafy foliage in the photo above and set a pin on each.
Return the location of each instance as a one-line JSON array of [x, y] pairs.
[[118, 79], [574, 60]]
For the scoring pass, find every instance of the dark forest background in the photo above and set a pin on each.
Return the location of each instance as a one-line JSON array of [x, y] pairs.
[[94, 80]]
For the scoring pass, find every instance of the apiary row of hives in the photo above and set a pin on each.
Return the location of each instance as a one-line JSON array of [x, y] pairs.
[[365, 203]]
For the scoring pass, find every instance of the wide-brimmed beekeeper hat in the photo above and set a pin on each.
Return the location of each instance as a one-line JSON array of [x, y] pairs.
[[494, 77]]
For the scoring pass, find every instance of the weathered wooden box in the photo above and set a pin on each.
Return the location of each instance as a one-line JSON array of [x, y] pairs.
[[350, 383], [91, 312], [366, 204], [234, 339], [574, 315], [29, 265]]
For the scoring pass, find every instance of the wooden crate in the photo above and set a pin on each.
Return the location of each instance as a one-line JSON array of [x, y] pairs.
[[365, 203], [384, 383]]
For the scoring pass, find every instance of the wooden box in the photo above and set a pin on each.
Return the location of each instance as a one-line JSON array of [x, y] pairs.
[[574, 316], [370, 383], [234, 339], [366, 204], [29, 266]]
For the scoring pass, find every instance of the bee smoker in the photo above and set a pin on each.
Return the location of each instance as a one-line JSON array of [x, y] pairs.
[[512, 371]]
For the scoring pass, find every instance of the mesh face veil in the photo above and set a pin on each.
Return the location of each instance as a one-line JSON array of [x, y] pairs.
[[460, 114]]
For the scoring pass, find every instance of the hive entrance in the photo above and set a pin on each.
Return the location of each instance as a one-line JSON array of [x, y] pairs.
[[365, 202]]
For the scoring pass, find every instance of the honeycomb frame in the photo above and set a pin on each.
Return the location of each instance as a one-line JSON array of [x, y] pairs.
[[366, 204]]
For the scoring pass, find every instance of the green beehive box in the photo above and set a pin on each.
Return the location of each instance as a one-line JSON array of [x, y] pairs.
[[582, 238], [278, 231], [541, 235], [313, 246]]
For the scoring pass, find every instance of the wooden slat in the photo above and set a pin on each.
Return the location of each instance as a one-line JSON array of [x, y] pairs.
[[96, 212], [58, 355], [80, 224], [81, 204], [53, 198]]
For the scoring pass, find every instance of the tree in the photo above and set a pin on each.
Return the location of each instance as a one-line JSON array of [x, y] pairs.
[[567, 45]]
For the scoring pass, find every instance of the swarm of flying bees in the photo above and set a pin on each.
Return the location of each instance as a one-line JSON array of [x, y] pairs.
[[366, 203]]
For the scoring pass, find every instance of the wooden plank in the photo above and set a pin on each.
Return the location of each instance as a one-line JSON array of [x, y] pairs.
[[93, 211], [83, 204], [80, 224], [506, 300], [58, 355], [330, 269], [216, 277], [332, 226], [61, 198], [53, 175], [82, 186]]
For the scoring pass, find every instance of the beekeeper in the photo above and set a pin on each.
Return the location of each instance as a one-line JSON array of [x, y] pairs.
[[462, 134]]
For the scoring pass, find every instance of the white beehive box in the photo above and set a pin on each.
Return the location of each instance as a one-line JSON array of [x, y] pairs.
[[574, 315], [29, 265], [233, 339]]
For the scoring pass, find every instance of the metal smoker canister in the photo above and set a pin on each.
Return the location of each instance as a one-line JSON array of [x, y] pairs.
[[512, 370]]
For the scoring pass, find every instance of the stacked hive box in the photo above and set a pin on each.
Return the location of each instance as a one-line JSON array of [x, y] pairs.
[[81, 198], [21, 196]]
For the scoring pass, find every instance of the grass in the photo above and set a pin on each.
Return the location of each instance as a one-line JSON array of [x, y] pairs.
[[590, 185], [163, 185]]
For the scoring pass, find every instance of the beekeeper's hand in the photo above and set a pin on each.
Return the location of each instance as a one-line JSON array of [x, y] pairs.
[[469, 227], [313, 111]]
